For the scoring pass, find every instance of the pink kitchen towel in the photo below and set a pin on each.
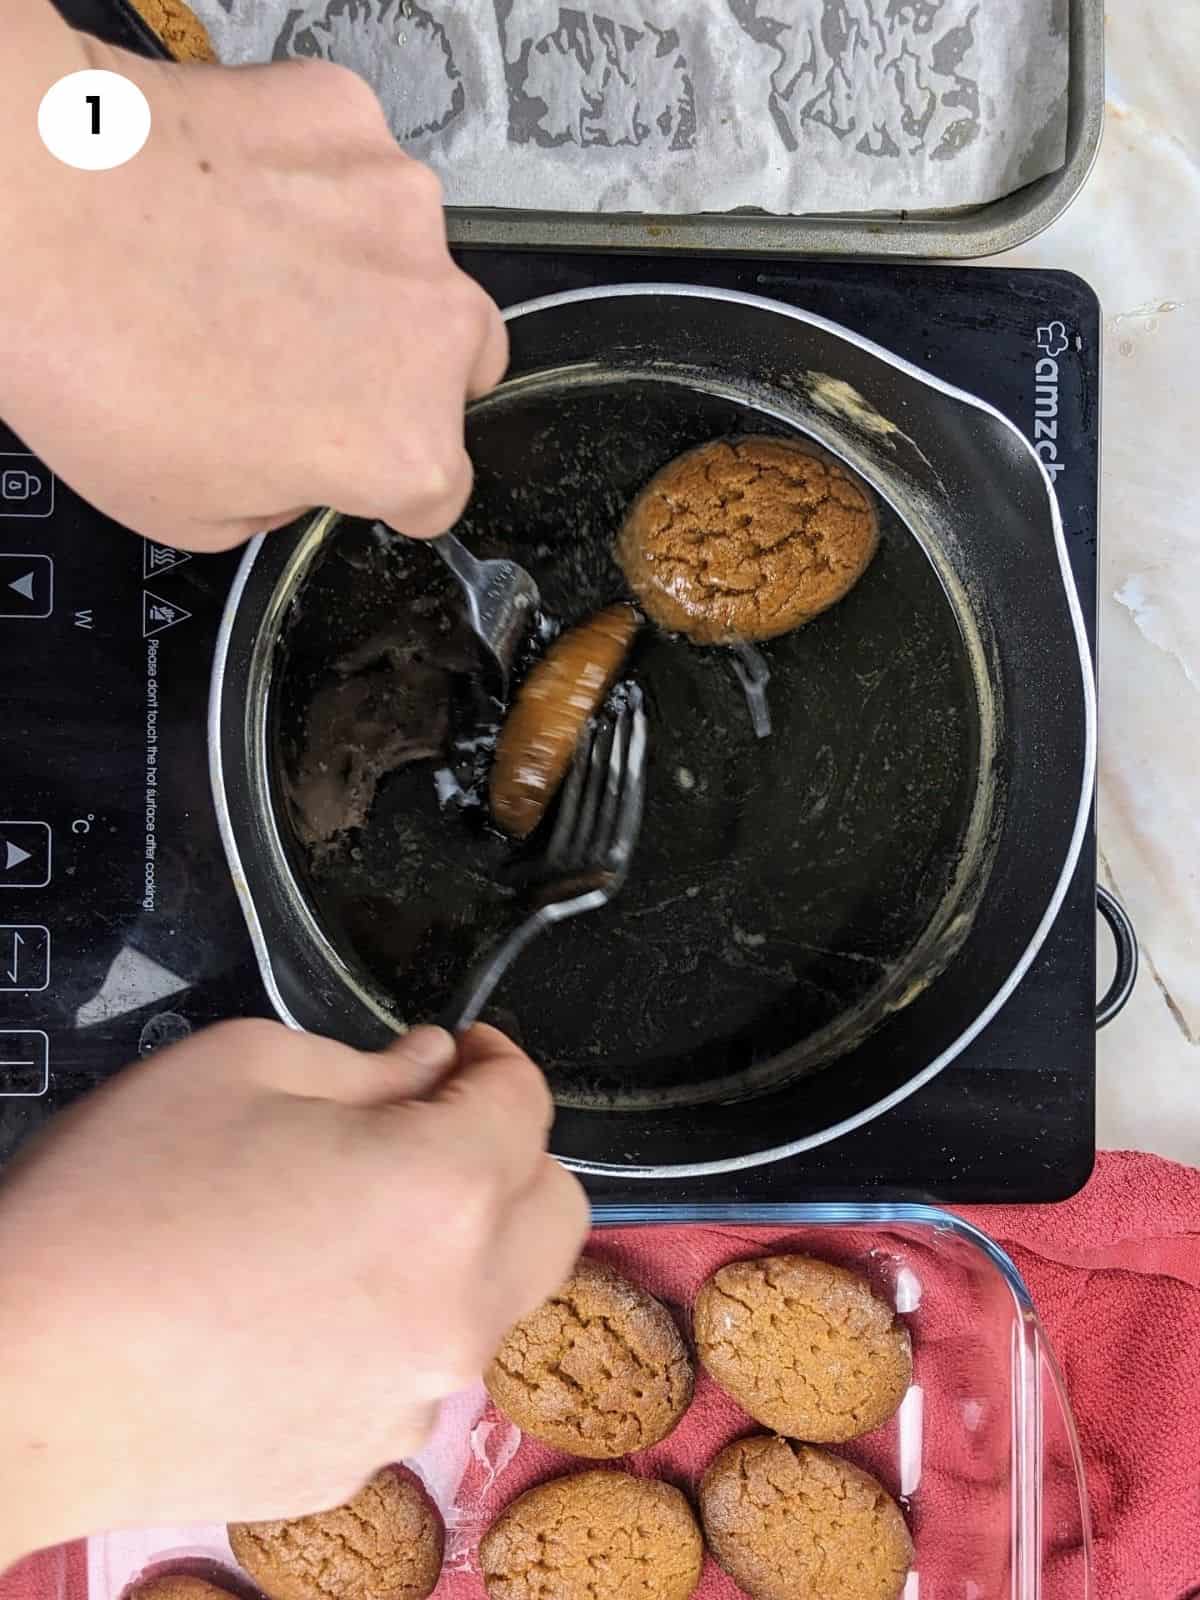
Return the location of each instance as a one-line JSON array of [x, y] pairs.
[[1115, 1275]]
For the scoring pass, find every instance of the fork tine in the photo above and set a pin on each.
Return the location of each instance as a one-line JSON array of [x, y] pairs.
[[568, 806], [599, 756], [614, 773], [629, 813]]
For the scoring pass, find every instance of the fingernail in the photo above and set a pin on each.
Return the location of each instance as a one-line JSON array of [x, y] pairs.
[[428, 1047]]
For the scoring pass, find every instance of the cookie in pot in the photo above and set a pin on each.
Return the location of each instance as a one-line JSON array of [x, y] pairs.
[[746, 539]]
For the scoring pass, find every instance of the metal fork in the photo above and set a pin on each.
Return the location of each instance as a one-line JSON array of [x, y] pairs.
[[501, 596], [591, 845]]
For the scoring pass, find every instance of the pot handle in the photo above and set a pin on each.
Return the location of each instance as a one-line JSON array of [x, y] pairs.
[[1125, 939]]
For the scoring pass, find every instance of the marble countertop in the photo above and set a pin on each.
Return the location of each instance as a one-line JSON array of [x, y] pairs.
[[1134, 234]]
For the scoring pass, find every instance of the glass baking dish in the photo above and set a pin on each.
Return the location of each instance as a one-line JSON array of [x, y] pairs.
[[983, 1454]]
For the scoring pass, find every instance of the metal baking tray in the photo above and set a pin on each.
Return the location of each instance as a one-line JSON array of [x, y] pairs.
[[972, 231]]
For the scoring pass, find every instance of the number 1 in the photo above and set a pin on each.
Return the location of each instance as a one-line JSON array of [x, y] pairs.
[[93, 100]]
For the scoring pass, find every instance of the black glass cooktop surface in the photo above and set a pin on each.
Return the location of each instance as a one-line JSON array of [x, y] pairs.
[[119, 928]]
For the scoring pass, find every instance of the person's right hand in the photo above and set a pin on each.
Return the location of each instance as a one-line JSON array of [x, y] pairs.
[[237, 1279], [255, 315]]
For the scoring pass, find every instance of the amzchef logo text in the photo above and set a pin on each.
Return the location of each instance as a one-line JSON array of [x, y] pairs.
[[1052, 340]]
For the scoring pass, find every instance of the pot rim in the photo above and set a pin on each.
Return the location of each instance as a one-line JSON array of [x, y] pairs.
[[1087, 773]]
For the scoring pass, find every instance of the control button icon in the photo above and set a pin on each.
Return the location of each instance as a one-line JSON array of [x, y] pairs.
[[24, 958], [24, 855], [26, 486], [160, 558], [26, 585], [24, 1063], [158, 615]]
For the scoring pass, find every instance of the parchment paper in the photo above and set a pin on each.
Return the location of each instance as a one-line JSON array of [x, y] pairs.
[[670, 106]]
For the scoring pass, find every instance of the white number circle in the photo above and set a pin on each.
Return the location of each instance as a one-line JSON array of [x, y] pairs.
[[94, 120]]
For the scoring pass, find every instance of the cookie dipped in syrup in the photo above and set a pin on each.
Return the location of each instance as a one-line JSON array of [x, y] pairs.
[[598, 1370], [551, 710], [596, 1536], [805, 1347], [787, 1521], [385, 1543], [746, 538]]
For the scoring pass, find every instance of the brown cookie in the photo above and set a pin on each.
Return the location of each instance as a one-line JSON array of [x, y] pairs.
[[384, 1544], [598, 1536], [804, 1347], [746, 538], [179, 28], [789, 1522], [177, 1586], [598, 1370], [538, 740]]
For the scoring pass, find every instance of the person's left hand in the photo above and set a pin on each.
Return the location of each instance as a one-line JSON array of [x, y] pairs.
[[236, 1279]]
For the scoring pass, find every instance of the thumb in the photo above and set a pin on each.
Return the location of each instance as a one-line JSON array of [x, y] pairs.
[[417, 1064], [410, 1068]]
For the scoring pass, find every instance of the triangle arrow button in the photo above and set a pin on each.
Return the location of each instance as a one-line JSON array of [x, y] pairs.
[[24, 855], [26, 586]]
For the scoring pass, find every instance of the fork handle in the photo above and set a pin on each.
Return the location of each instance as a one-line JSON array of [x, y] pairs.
[[457, 557], [476, 990], [451, 549]]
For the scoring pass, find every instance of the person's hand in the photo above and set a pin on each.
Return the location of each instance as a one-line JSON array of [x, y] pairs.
[[237, 1279], [256, 315]]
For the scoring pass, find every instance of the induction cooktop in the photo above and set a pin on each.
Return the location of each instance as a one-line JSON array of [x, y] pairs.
[[119, 927]]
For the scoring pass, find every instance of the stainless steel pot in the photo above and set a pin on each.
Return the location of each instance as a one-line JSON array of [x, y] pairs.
[[649, 369]]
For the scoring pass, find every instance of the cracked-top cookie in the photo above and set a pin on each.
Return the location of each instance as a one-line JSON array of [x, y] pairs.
[[598, 1370], [805, 1347], [597, 1536], [788, 1522], [746, 538], [384, 1544], [179, 28]]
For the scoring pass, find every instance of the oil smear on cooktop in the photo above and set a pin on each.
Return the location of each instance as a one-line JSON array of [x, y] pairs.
[[784, 889]]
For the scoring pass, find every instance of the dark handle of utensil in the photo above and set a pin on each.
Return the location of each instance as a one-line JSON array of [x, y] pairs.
[[1125, 939]]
